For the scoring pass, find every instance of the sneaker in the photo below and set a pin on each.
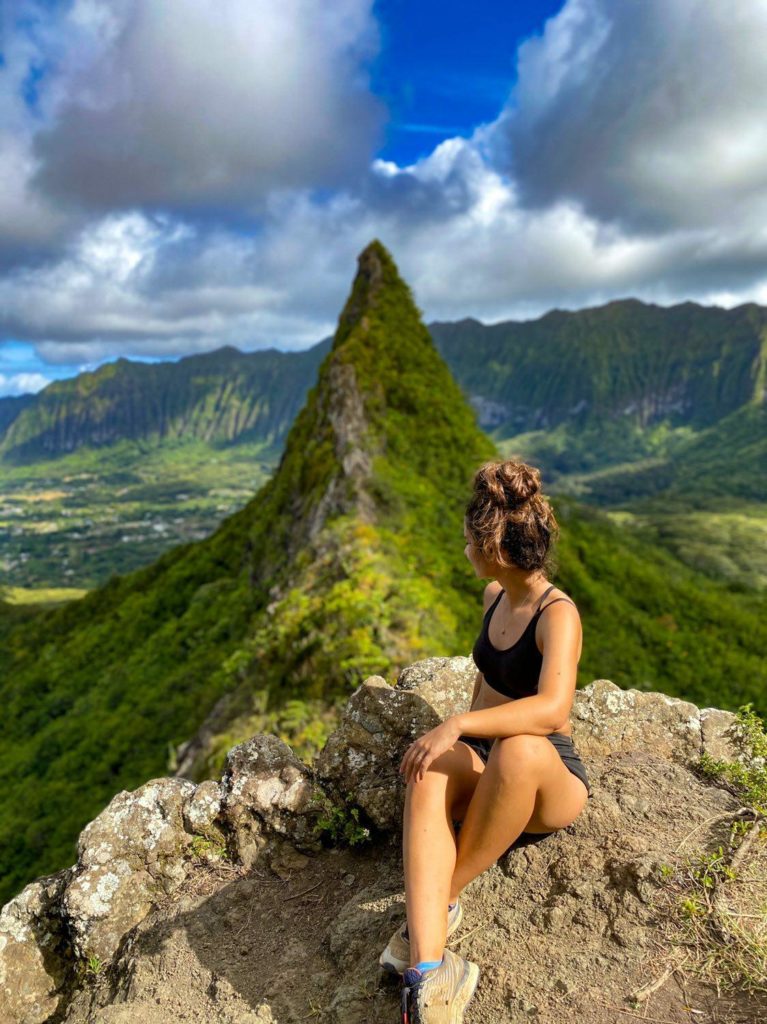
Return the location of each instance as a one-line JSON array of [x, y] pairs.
[[440, 995], [396, 957]]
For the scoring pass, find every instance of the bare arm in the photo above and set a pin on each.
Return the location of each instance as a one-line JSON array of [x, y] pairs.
[[526, 714], [490, 594]]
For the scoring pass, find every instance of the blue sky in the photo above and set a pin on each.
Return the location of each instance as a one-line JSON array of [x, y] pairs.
[[176, 180], [446, 67]]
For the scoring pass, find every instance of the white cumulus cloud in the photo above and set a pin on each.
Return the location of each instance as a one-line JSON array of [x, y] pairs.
[[202, 106], [650, 113], [22, 383]]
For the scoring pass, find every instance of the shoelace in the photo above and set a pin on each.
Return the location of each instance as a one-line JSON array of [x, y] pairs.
[[404, 1009]]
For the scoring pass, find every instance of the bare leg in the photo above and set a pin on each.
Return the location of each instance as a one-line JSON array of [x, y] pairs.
[[429, 846], [524, 787]]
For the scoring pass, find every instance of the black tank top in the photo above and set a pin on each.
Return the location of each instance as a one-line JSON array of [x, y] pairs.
[[515, 670]]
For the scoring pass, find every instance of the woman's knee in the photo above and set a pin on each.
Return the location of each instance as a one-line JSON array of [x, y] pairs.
[[442, 770], [522, 754], [449, 772]]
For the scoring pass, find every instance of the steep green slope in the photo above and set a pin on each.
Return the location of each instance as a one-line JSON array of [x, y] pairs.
[[610, 373], [690, 467], [728, 459], [597, 387], [11, 406], [346, 562]]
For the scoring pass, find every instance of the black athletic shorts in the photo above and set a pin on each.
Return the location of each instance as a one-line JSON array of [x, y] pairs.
[[564, 745], [565, 748]]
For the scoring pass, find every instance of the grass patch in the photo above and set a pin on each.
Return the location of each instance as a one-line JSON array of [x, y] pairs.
[[713, 905], [339, 824]]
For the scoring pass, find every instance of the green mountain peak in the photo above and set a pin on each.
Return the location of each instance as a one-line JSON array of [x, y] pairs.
[[376, 272], [385, 410], [348, 562]]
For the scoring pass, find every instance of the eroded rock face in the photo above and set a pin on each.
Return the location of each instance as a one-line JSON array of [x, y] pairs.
[[32, 951], [361, 758], [266, 791], [595, 879], [141, 848], [136, 847], [606, 718], [202, 809]]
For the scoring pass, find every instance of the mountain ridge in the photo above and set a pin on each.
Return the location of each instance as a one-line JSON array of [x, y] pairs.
[[45, 424], [312, 583]]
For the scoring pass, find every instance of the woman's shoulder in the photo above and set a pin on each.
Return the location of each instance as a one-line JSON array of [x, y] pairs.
[[563, 603]]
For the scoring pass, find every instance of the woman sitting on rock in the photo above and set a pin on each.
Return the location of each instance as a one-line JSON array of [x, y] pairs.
[[505, 772]]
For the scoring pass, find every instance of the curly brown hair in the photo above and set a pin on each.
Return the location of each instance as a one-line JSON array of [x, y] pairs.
[[509, 517]]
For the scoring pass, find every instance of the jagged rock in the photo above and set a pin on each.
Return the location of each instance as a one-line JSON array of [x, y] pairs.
[[32, 953], [360, 760], [445, 683], [606, 718], [203, 808], [562, 926], [133, 849], [266, 787], [344, 409]]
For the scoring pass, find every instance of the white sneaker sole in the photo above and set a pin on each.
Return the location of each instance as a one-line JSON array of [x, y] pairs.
[[393, 965], [463, 999]]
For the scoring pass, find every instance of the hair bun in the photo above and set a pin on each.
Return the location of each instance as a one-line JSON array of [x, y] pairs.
[[517, 482], [508, 516]]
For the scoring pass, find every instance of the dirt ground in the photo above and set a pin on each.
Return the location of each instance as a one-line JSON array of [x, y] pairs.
[[237, 947]]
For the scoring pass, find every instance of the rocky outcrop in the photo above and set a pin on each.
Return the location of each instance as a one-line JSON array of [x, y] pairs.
[[267, 792], [361, 758], [219, 901]]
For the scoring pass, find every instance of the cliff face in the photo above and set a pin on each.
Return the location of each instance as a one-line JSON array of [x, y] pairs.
[[224, 901], [219, 397], [626, 360], [629, 362]]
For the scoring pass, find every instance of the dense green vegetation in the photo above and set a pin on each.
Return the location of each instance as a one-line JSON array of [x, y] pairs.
[[623, 377], [695, 469], [347, 562], [299, 595], [215, 397]]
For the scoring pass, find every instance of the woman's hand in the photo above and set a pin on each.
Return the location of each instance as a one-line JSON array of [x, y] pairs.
[[421, 752]]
